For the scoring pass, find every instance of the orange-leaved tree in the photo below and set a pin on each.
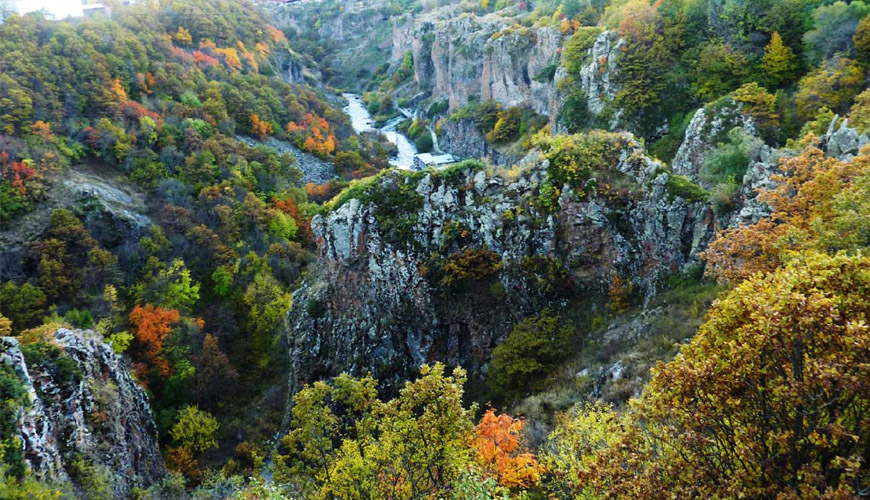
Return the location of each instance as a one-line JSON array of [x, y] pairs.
[[501, 454], [820, 203], [150, 326]]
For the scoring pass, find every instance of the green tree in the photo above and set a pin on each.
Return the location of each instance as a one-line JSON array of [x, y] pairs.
[[195, 429], [831, 86], [779, 63], [833, 27], [173, 287], [535, 346], [787, 418], [345, 443], [267, 304], [24, 305], [720, 70], [861, 40]]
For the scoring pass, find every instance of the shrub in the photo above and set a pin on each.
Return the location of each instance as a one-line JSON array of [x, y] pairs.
[[24, 305], [424, 142], [574, 158], [548, 274], [471, 264], [574, 114], [680, 186], [13, 396], [79, 319], [507, 127], [52, 359], [729, 160], [576, 47], [484, 114], [859, 115], [535, 346], [195, 430]]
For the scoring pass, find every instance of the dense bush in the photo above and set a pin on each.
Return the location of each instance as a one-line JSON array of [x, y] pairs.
[[680, 186], [468, 266], [507, 127], [575, 158], [526, 357]]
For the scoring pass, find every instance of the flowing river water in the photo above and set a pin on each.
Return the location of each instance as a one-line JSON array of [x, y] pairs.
[[362, 121]]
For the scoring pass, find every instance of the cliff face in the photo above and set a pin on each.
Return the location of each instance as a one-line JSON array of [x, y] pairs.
[[462, 139], [481, 57], [375, 305], [357, 35], [85, 414]]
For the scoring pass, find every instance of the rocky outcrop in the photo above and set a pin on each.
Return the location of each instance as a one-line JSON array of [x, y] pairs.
[[517, 68], [375, 306], [462, 139], [114, 210], [598, 74], [467, 56], [708, 127], [84, 412]]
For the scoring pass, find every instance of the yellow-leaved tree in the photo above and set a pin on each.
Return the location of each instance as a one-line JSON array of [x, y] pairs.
[[769, 400]]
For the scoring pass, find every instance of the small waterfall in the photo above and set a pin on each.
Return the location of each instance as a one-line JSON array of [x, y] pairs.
[[362, 121]]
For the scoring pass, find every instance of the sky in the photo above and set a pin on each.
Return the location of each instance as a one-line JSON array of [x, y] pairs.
[[58, 9]]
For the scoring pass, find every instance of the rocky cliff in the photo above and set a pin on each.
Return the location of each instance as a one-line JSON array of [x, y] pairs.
[[84, 416], [462, 57], [356, 34], [379, 300]]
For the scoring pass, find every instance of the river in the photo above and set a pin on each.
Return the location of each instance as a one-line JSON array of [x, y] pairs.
[[361, 120]]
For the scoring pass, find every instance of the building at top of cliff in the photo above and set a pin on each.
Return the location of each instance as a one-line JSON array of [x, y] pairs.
[[60, 9], [424, 160]]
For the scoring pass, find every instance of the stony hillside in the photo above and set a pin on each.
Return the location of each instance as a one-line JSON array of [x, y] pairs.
[[79, 415]]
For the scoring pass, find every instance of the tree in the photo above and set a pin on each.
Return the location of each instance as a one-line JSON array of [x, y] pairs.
[[788, 419], [150, 326], [833, 27], [472, 264], [500, 452], [260, 128], [831, 86], [819, 204], [345, 443], [779, 63], [195, 430], [267, 303], [182, 36], [641, 72], [861, 40], [173, 287], [507, 127], [859, 115], [574, 444], [720, 70], [24, 305], [214, 372], [528, 355]]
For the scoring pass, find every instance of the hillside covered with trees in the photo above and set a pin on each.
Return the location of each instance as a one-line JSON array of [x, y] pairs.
[[645, 276]]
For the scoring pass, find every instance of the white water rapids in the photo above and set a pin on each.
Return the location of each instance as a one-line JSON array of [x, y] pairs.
[[361, 120]]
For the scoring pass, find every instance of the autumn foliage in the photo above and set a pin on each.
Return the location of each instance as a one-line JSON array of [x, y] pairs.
[[313, 134], [787, 421], [150, 326], [499, 451], [259, 127], [814, 206]]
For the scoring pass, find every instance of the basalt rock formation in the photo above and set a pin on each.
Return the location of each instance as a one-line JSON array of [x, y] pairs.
[[84, 414]]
